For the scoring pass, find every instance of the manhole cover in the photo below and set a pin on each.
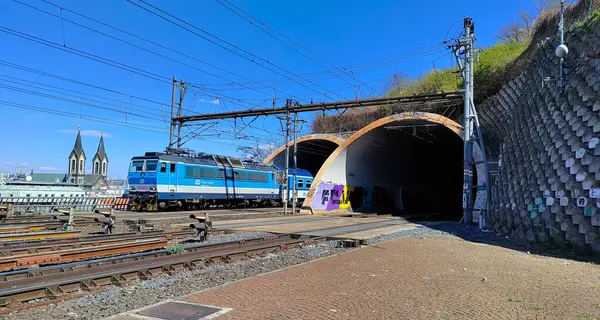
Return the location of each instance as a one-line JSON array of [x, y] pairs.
[[178, 311]]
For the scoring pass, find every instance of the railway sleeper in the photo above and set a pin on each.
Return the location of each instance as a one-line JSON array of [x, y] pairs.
[[130, 274]]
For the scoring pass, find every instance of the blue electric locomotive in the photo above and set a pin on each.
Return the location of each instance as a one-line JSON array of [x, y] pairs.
[[160, 181]]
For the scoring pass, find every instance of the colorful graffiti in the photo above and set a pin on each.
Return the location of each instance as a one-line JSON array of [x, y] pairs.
[[330, 197]]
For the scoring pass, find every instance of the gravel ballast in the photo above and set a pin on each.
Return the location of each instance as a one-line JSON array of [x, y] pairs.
[[115, 300]]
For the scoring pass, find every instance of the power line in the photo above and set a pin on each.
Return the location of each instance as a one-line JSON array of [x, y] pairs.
[[155, 43], [51, 75], [109, 62], [230, 44], [28, 83], [132, 44], [365, 66], [74, 115], [286, 44], [80, 102]]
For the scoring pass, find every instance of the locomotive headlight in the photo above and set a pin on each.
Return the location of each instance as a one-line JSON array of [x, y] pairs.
[[131, 187], [153, 188]]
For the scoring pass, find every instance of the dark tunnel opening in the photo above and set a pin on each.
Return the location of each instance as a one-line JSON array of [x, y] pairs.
[[311, 155], [413, 167]]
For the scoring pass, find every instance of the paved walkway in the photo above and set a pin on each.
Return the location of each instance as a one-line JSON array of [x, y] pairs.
[[410, 278]]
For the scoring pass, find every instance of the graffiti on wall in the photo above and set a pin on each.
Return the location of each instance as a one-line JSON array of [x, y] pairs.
[[330, 197]]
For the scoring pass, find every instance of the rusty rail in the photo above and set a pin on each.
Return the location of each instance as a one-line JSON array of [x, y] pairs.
[[73, 266], [57, 241], [88, 276], [76, 243], [37, 235], [35, 259]]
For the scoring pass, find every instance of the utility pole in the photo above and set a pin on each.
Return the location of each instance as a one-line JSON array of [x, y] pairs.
[[295, 180], [181, 96], [172, 131], [561, 30], [286, 187], [295, 199], [472, 132], [468, 153]]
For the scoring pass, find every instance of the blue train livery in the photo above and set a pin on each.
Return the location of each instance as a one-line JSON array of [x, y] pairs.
[[161, 181]]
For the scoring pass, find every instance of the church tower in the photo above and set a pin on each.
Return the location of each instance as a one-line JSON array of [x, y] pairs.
[[77, 161], [100, 161]]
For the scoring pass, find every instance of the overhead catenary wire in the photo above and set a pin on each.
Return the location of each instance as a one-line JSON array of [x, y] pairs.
[[77, 115], [55, 76], [206, 36], [41, 87], [122, 66], [158, 45], [287, 38], [362, 67], [135, 45]]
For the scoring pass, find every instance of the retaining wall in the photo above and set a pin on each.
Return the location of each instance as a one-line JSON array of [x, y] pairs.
[[547, 142]]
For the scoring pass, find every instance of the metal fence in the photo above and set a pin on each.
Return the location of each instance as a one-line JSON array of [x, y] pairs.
[[79, 204]]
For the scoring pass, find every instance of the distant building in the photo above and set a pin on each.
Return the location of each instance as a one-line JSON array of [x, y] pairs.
[[94, 183]]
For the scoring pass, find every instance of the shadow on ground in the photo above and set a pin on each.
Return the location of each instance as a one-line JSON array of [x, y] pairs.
[[473, 234]]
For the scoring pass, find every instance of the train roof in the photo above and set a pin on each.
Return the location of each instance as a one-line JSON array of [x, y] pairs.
[[205, 159]]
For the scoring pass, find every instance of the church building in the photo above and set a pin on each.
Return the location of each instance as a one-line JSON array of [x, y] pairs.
[[92, 183]]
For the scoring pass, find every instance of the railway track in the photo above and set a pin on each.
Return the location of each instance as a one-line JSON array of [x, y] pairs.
[[68, 255], [16, 255], [37, 236], [53, 281], [100, 238]]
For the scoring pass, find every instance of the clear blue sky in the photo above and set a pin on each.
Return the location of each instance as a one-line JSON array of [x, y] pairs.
[[344, 32]]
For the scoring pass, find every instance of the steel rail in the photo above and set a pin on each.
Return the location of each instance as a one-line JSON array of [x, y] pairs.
[[52, 285], [77, 244], [23, 261], [43, 222], [57, 241], [37, 235], [73, 266]]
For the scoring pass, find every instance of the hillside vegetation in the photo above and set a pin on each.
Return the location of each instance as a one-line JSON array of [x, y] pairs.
[[494, 67], [490, 67]]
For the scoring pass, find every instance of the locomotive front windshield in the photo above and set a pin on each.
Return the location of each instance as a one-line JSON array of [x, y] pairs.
[[144, 165]]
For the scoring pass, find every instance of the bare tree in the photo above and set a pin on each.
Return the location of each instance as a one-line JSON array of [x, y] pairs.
[[397, 82], [542, 5], [256, 153], [518, 30], [527, 22]]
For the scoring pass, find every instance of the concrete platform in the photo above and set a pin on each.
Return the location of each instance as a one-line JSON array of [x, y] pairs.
[[325, 226], [410, 278]]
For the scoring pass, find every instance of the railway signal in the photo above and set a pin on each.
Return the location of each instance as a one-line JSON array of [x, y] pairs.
[[203, 226]]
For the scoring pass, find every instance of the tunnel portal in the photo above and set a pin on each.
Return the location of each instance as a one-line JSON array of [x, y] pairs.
[[405, 164]]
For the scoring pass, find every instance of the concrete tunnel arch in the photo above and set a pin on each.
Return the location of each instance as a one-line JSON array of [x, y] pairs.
[[384, 168], [313, 151]]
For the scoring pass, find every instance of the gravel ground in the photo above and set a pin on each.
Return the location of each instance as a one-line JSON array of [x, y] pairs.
[[236, 236], [115, 300]]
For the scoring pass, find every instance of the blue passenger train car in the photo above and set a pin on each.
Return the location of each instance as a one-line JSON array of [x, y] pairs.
[[159, 181]]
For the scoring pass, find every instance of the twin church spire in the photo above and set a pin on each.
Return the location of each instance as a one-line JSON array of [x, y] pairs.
[[77, 160]]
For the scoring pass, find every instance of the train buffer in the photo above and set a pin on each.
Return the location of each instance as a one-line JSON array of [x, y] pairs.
[[139, 225], [65, 216], [203, 226], [107, 220], [5, 211]]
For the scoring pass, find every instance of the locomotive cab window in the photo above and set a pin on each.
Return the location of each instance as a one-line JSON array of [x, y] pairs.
[[151, 165], [163, 167], [300, 183], [172, 169], [308, 183], [137, 165]]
